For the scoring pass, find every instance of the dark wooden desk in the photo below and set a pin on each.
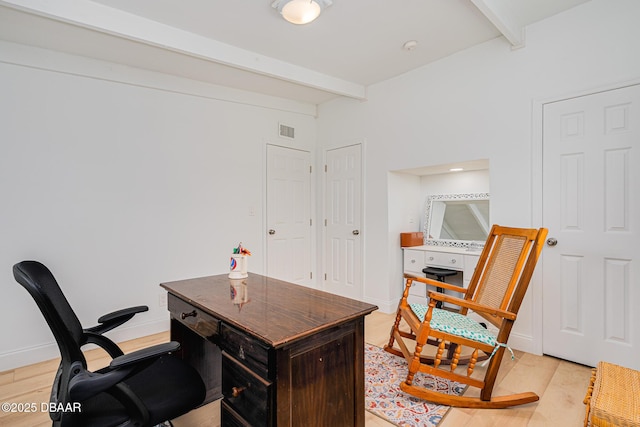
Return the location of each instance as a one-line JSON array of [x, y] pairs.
[[279, 354]]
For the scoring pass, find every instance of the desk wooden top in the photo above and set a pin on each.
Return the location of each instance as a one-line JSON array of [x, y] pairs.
[[274, 311]]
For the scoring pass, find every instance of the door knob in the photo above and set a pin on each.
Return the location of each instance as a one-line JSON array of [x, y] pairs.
[[272, 231], [552, 241], [356, 232]]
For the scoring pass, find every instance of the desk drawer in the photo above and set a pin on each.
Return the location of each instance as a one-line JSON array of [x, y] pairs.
[[195, 319], [446, 260], [246, 393], [230, 418], [246, 349]]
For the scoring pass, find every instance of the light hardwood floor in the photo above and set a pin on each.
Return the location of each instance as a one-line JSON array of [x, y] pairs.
[[561, 386]]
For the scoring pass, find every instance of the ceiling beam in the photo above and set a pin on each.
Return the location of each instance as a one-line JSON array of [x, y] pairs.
[[98, 17], [498, 12]]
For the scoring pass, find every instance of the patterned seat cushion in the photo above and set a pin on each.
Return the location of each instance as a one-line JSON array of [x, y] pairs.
[[455, 324]]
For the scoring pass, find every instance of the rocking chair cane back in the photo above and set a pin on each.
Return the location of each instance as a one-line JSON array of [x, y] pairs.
[[495, 293]]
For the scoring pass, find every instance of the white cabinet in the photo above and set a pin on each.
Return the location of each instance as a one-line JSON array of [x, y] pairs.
[[418, 257]]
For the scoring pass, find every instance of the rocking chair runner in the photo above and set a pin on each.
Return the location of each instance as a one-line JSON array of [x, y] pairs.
[[495, 293]]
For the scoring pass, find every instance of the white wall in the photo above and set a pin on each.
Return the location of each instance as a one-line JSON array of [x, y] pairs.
[[119, 179], [404, 213], [477, 181], [478, 104]]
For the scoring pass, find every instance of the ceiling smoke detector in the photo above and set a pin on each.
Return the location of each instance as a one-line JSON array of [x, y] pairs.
[[410, 45]]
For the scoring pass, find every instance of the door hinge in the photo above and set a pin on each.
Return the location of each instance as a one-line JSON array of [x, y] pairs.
[[325, 168], [325, 276], [310, 222], [310, 169], [325, 222], [311, 275]]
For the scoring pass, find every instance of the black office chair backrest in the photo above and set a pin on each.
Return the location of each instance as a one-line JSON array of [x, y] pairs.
[[63, 322], [144, 389]]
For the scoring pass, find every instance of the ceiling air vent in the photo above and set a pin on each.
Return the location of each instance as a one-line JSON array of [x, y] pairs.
[[287, 131]]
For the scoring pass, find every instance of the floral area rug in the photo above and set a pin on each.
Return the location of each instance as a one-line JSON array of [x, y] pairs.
[[383, 374]]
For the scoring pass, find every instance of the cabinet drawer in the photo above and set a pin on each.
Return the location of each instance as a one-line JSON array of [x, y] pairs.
[[443, 259], [200, 322], [419, 289], [245, 349], [413, 261], [246, 393]]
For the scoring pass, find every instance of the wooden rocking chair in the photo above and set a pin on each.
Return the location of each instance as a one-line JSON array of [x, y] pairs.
[[495, 293]]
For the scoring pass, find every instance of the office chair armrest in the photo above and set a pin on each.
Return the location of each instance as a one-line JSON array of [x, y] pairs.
[[103, 342], [87, 384], [472, 305], [146, 354], [116, 318]]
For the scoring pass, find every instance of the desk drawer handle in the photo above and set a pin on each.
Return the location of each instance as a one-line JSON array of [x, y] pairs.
[[190, 314], [237, 391]]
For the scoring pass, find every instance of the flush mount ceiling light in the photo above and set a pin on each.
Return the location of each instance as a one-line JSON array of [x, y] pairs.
[[300, 11]]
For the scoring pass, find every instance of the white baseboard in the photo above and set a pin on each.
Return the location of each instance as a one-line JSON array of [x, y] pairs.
[[384, 306], [27, 356], [30, 355], [522, 343]]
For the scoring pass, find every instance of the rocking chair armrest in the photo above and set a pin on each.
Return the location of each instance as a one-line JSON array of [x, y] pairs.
[[472, 305], [435, 283]]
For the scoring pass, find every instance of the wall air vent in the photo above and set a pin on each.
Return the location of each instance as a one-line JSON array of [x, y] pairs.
[[287, 131]]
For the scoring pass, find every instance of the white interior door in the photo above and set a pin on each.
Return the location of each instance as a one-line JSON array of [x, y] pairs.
[[288, 214], [343, 217], [591, 193]]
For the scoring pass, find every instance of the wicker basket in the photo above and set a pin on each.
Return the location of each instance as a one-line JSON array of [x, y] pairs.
[[613, 397]]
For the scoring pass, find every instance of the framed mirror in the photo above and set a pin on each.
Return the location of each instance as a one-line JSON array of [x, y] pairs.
[[458, 220]]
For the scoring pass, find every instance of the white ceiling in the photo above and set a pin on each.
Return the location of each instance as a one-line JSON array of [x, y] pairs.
[[245, 44]]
